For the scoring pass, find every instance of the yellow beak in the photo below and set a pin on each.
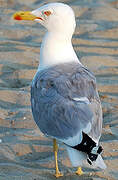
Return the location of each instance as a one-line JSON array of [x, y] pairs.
[[25, 15]]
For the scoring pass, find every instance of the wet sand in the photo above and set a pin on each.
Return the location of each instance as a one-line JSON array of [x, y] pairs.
[[25, 154]]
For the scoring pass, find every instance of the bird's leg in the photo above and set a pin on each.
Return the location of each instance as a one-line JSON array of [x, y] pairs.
[[55, 149], [79, 171]]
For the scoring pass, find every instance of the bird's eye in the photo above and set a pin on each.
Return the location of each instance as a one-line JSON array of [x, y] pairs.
[[47, 13]]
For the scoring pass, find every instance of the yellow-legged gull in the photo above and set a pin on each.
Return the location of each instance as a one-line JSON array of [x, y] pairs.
[[64, 98]]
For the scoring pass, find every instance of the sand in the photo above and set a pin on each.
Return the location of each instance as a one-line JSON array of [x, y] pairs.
[[25, 154]]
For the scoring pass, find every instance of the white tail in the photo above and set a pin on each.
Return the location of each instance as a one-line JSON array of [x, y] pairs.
[[79, 158], [99, 163], [76, 157]]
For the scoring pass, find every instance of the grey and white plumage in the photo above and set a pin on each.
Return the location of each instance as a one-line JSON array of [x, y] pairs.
[[64, 98], [57, 105], [65, 103]]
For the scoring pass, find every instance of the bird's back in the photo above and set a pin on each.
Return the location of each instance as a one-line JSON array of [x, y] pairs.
[[58, 86]]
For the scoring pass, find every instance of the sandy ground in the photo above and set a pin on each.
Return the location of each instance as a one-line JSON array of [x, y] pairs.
[[25, 154]]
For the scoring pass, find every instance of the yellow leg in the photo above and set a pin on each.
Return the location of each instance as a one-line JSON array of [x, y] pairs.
[[79, 171], [55, 148]]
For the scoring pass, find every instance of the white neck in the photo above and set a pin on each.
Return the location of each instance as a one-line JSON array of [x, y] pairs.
[[56, 49]]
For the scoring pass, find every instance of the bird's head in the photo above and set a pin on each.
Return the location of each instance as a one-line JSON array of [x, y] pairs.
[[56, 17]]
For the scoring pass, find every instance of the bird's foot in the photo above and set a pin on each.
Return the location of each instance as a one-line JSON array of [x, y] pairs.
[[58, 174], [79, 171]]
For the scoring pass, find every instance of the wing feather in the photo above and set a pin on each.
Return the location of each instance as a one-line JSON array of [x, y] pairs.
[[64, 102]]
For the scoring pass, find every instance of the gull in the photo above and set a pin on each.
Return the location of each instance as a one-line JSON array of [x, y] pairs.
[[64, 98]]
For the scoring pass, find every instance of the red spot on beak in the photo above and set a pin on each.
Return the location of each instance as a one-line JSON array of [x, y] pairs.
[[17, 17], [39, 18]]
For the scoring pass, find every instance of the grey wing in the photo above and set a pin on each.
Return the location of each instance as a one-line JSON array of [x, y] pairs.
[[60, 106], [97, 120], [87, 88]]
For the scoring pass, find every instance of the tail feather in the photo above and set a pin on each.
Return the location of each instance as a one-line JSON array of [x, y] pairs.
[[76, 157], [99, 163], [79, 158]]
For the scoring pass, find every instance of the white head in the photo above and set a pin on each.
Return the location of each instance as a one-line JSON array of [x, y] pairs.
[[56, 17], [59, 20]]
